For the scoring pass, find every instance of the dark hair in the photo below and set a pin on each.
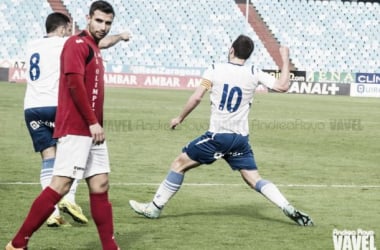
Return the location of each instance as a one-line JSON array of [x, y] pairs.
[[243, 47], [55, 20], [103, 6]]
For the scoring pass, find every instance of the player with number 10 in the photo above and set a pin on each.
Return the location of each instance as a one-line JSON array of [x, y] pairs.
[[232, 86]]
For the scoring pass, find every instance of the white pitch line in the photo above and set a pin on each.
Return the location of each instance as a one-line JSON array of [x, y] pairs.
[[221, 184]]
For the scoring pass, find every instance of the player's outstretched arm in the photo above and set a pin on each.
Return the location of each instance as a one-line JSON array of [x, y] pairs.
[[111, 40], [191, 104], [282, 84]]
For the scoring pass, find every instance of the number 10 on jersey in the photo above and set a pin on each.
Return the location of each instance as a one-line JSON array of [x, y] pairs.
[[228, 96]]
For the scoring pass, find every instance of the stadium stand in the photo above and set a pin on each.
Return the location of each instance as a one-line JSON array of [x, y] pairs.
[[326, 35], [21, 21], [323, 35], [175, 33]]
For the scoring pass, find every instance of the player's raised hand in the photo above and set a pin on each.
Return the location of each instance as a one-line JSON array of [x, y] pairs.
[[125, 36], [284, 52]]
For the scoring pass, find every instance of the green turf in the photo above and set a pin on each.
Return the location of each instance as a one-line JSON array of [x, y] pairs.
[[322, 151]]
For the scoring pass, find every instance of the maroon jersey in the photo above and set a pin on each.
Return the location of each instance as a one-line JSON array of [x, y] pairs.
[[80, 55]]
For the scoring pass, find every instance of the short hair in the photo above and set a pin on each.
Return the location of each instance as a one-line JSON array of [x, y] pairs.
[[103, 6], [243, 47], [55, 20]]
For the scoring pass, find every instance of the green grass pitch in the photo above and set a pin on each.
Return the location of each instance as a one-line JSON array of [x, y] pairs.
[[322, 152]]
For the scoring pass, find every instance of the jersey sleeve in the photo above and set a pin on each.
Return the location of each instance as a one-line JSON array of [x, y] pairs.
[[267, 79], [75, 52], [77, 91], [208, 77]]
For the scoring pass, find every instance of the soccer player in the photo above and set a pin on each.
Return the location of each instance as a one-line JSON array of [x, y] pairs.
[[81, 148], [40, 102], [232, 86]]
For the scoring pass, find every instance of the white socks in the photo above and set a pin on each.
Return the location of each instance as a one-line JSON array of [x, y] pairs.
[[168, 189], [70, 196], [271, 192]]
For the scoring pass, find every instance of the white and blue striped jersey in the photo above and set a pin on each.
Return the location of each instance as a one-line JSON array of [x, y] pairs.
[[231, 95]]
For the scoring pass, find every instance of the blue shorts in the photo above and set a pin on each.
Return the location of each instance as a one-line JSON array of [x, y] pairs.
[[40, 123], [233, 148]]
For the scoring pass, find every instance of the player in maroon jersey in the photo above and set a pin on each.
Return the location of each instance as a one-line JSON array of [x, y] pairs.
[[81, 149]]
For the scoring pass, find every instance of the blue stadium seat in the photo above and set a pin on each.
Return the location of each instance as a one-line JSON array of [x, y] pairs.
[[327, 28], [28, 24], [322, 35], [179, 33]]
